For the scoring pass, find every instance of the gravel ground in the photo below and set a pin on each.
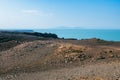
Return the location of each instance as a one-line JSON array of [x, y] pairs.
[[110, 71]]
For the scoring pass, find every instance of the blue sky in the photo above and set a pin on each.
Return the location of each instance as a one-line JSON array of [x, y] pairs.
[[36, 14]]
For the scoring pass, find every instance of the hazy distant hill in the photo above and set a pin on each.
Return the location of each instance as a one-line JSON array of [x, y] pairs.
[[17, 30], [21, 35], [10, 39]]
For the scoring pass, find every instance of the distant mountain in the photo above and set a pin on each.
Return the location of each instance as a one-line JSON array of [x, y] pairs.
[[66, 27], [18, 30]]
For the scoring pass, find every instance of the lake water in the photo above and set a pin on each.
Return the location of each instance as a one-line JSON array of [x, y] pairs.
[[111, 35]]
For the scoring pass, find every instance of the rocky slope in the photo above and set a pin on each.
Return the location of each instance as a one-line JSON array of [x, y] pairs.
[[61, 60]]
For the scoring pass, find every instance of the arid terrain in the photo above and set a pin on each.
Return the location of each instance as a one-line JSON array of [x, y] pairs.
[[59, 59]]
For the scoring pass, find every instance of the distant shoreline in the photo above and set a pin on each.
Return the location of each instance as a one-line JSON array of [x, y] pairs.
[[77, 34], [106, 34]]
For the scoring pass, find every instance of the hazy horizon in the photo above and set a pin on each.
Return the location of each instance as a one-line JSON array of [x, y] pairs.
[[52, 28]]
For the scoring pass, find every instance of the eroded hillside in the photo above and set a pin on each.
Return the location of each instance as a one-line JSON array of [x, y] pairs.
[[49, 55]]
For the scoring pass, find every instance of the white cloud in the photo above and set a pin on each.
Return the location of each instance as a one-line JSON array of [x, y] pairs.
[[37, 12], [30, 11]]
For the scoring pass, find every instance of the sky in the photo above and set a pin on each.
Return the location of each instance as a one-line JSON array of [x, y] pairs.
[[45, 14]]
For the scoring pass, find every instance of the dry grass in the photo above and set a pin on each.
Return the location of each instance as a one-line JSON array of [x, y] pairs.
[[55, 60], [110, 71]]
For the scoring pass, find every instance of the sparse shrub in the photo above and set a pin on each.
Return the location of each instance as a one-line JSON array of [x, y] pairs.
[[101, 57], [82, 57], [77, 51], [110, 51], [68, 59]]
